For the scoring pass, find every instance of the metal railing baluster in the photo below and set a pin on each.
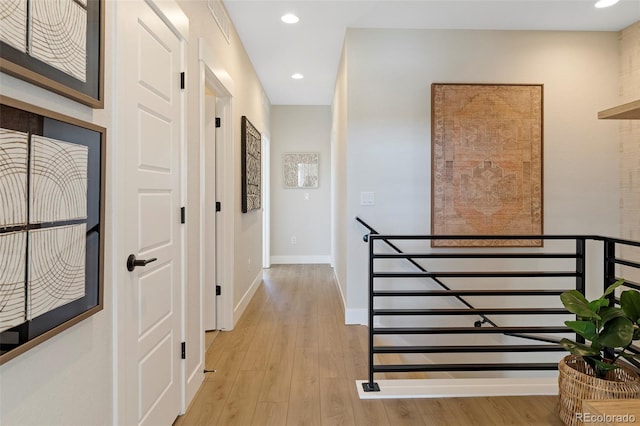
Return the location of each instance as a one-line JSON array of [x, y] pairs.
[[579, 273]]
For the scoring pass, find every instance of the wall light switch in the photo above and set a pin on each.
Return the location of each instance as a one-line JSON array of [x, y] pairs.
[[367, 198], [306, 196]]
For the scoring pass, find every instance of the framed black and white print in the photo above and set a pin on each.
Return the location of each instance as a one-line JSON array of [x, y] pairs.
[[55, 44], [51, 224], [251, 141]]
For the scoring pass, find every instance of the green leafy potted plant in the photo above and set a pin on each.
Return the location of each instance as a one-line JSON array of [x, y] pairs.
[[611, 330], [592, 371]]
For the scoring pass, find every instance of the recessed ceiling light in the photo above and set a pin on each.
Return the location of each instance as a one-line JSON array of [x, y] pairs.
[[605, 3], [297, 76], [289, 18]]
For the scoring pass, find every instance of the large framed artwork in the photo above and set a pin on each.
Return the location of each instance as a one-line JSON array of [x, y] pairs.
[[55, 44], [486, 163], [251, 142], [51, 224]]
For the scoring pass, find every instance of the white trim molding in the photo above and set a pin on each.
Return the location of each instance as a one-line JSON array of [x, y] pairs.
[[301, 260], [206, 55], [171, 13], [339, 288], [457, 388], [246, 298], [214, 74]]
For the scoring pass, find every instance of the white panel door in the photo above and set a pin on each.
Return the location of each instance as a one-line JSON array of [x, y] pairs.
[[149, 125]]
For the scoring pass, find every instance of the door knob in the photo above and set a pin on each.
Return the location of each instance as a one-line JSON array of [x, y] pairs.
[[132, 262]]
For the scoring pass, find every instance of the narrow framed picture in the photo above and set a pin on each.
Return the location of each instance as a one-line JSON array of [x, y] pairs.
[[251, 168], [51, 224], [57, 45]]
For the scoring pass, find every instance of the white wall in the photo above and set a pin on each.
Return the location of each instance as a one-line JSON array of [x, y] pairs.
[[629, 90], [339, 217], [68, 380], [250, 100], [389, 74], [303, 214]]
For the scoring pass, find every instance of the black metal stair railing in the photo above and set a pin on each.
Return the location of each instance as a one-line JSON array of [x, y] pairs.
[[579, 255], [575, 275], [615, 256], [417, 265]]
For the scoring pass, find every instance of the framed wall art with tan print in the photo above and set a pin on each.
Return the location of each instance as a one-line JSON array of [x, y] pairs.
[[55, 44], [486, 163]]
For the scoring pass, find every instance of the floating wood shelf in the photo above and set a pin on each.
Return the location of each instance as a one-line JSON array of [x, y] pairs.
[[630, 111]]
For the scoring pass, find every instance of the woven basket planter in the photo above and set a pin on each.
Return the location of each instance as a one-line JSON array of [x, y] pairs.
[[577, 382]]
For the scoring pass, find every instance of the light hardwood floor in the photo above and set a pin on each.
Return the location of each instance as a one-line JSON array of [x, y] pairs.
[[292, 361]]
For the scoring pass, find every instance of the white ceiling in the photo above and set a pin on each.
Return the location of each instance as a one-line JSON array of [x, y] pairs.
[[313, 45]]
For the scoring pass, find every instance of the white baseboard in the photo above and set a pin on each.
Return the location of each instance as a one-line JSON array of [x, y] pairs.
[[246, 298], [339, 288], [300, 260], [454, 388], [356, 316]]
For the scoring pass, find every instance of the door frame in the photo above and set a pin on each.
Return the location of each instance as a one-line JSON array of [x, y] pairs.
[[214, 75], [176, 20], [208, 197], [266, 202]]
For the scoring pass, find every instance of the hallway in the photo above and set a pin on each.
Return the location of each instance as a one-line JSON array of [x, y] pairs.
[[292, 361]]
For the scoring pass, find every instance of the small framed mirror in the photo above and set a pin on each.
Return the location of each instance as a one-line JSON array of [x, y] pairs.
[[300, 169]]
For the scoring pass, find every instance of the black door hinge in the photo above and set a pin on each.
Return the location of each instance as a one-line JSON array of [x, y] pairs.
[[184, 350], [183, 215], [218, 290], [218, 206], [218, 122], [182, 80]]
